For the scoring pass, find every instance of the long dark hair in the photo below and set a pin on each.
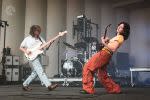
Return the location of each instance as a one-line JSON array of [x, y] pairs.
[[126, 29], [33, 29]]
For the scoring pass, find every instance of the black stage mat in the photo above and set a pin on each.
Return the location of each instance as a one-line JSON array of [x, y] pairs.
[[14, 92]]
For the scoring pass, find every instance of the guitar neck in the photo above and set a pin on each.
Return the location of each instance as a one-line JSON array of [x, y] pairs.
[[48, 42], [105, 33], [106, 30]]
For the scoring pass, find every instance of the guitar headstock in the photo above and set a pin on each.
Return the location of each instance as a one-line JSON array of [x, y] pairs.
[[62, 33]]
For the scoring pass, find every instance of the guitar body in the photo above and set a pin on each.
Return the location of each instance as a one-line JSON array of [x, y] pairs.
[[35, 51]]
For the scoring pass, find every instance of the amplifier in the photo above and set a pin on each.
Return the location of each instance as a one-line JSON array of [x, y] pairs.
[[12, 74], [8, 74], [12, 60], [15, 74], [9, 60], [16, 60]]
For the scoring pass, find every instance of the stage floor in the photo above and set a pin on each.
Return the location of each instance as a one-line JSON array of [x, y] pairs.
[[14, 92]]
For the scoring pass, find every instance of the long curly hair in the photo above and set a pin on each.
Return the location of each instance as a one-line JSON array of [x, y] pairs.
[[126, 29], [33, 29]]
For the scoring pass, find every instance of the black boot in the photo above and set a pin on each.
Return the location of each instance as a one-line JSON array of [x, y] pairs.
[[52, 87], [26, 88]]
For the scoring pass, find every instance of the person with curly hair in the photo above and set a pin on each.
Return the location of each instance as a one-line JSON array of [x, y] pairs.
[[99, 61]]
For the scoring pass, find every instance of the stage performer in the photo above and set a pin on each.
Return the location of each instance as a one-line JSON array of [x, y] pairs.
[[99, 61], [37, 70]]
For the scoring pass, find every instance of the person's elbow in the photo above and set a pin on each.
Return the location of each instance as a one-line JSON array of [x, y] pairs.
[[20, 48]]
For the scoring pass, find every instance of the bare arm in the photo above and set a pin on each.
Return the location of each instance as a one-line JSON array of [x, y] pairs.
[[113, 46], [24, 50]]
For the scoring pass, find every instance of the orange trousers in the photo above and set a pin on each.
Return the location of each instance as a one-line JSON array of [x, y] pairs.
[[97, 63]]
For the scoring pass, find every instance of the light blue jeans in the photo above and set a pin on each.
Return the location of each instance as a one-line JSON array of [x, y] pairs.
[[37, 71]]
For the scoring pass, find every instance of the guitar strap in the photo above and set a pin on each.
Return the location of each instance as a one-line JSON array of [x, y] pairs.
[[42, 43], [40, 40]]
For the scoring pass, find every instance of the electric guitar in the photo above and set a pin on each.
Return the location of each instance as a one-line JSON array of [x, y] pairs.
[[38, 48]]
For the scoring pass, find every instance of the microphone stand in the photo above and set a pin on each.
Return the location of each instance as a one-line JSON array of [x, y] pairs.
[[58, 75], [4, 49], [58, 56]]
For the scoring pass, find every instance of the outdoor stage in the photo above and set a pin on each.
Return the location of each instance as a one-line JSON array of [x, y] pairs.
[[14, 92]]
